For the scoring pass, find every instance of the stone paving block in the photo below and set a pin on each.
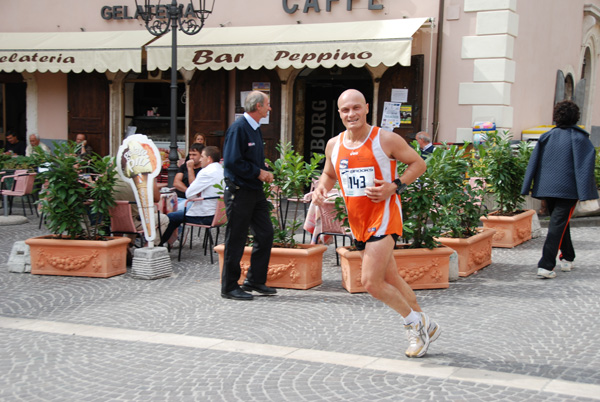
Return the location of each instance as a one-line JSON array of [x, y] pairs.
[[151, 263], [20, 259], [453, 273]]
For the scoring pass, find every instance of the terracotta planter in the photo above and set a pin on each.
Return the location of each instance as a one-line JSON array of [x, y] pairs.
[[420, 268], [510, 230], [291, 268], [474, 253], [93, 258]]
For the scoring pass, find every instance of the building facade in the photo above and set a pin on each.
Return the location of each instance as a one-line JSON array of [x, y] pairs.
[[440, 66]]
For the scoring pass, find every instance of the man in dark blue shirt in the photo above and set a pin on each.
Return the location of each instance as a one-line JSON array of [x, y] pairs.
[[14, 145], [246, 205]]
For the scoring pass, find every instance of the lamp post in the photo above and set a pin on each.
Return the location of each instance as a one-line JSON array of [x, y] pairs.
[[158, 20]]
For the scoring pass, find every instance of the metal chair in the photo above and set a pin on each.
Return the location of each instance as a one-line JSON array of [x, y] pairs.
[[305, 200], [22, 186], [219, 220], [331, 226]]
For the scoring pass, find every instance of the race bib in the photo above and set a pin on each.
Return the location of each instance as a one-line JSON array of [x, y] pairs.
[[355, 181]]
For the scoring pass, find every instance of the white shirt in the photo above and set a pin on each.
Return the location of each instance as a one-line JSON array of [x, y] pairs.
[[29, 150], [203, 186], [253, 123]]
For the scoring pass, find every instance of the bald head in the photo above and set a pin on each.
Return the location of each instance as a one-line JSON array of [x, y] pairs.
[[351, 95], [353, 110]]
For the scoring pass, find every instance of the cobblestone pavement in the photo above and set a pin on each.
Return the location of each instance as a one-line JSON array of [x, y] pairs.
[[506, 336]]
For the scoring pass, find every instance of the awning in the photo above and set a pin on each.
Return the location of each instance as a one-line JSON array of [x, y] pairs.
[[73, 51], [299, 45]]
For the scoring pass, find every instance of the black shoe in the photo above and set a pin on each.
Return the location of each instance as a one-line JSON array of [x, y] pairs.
[[237, 294], [264, 289]]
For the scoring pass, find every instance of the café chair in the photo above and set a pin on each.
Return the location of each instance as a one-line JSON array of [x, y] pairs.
[[219, 220], [305, 201], [331, 226], [22, 186], [121, 222]]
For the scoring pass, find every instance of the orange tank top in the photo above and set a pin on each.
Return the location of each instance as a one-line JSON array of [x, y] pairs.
[[356, 169]]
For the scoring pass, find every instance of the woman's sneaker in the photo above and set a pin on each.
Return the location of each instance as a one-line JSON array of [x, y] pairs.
[[418, 337], [565, 266], [545, 274]]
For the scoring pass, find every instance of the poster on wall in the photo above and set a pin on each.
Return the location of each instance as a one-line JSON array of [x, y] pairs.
[[400, 95], [391, 115], [406, 114]]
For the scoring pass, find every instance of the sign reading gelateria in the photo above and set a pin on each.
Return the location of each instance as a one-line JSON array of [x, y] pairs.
[[72, 51], [34, 57]]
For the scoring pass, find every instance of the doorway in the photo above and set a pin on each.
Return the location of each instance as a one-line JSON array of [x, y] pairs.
[[316, 118], [12, 106]]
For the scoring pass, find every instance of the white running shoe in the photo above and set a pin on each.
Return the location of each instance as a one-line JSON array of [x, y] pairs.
[[433, 330], [545, 274], [418, 338], [565, 266]]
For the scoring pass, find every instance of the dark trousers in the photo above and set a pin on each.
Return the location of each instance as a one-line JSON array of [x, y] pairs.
[[559, 233], [246, 209], [176, 219]]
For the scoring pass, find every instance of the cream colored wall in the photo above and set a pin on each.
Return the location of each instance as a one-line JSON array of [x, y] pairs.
[[52, 110], [454, 71]]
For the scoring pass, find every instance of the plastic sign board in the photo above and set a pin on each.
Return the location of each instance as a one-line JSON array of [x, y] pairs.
[[138, 163]]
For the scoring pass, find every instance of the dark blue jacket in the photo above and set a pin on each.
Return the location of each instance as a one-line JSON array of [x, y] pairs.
[[243, 154], [562, 166]]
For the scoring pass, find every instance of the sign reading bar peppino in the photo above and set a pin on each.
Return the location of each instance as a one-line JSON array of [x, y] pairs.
[[208, 56]]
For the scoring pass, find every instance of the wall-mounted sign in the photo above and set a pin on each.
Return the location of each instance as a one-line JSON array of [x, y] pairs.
[[125, 13], [291, 6]]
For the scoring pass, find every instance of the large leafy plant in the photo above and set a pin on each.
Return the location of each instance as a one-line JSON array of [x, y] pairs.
[[460, 200], [78, 192], [292, 177], [503, 169], [597, 166], [420, 208]]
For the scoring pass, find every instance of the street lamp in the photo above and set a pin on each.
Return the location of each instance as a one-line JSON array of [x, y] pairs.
[[158, 20]]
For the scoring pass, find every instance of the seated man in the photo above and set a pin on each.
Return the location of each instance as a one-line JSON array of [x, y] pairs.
[[124, 192], [203, 186], [187, 173], [34, 141], [13, 145], [84, 150]]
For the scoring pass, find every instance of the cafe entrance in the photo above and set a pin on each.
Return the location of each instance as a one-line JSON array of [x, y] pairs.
[[315, 104]]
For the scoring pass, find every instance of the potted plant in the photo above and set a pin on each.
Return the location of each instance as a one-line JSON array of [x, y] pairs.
[[461, 207], [74, 204], [422, 261], [292, 265], [502, 168]]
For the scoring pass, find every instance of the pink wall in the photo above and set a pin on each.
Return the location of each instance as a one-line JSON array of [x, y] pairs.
[[52, 106], [545, 45], [58, 15]]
